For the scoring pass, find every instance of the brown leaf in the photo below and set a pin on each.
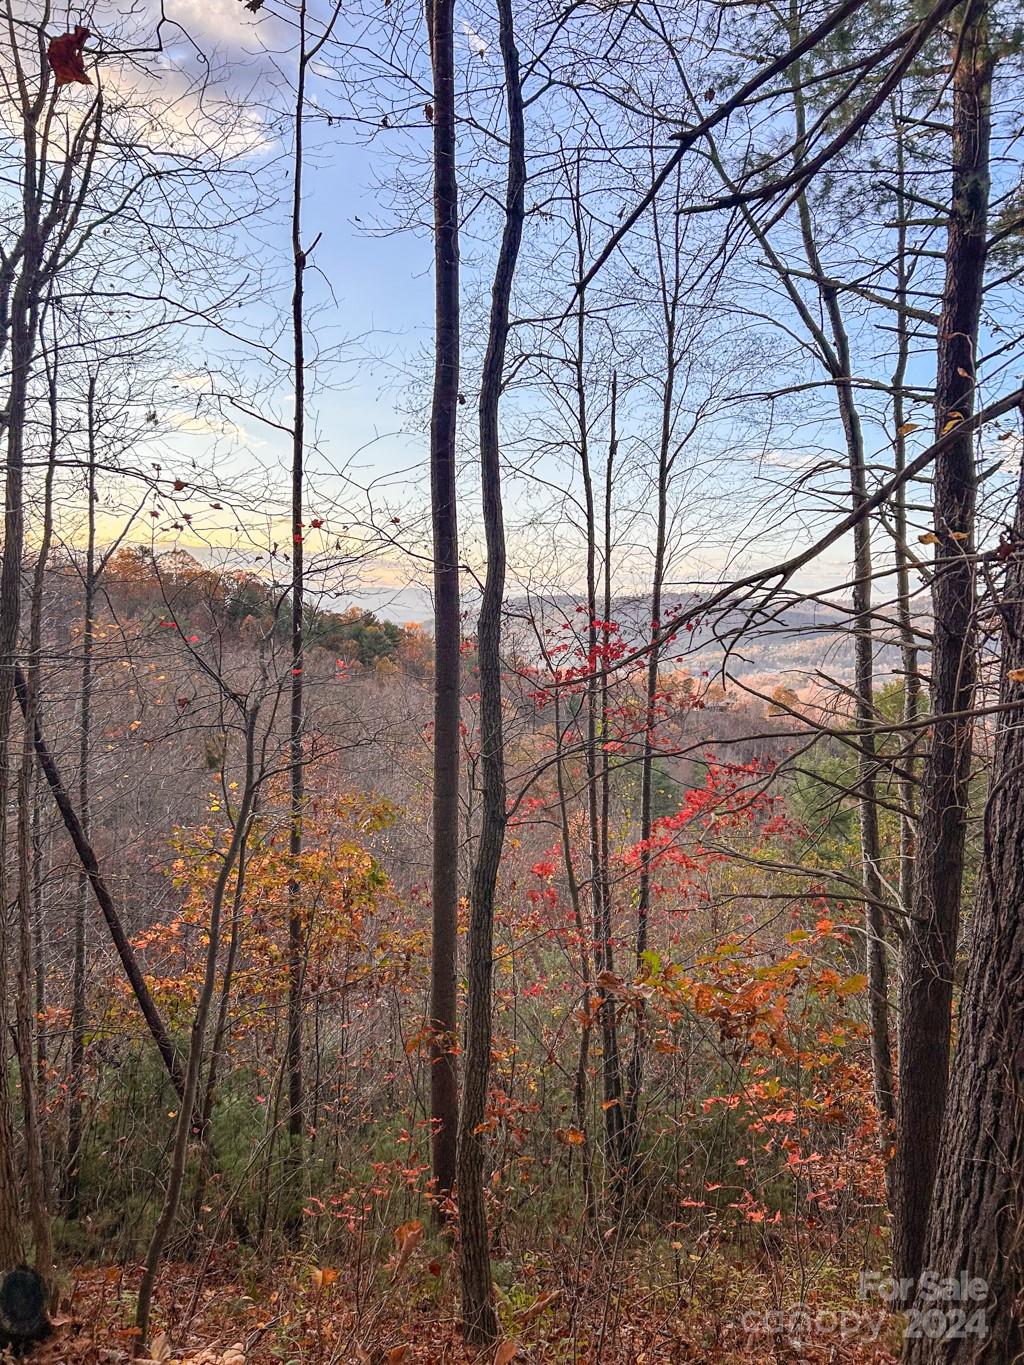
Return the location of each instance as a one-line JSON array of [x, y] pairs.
[[65, 57], [537, 1307], [507, 1350], [407, 1238]]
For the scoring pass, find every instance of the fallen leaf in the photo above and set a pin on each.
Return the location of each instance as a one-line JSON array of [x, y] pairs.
[[507, 1350], [407, 1238], [537, 1307]]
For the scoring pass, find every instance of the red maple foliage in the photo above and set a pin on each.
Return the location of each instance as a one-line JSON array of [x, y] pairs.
[[65, 57]]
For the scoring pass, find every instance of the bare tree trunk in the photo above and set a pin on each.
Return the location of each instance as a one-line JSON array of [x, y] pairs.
[[296, 773], [76, 1076], [185, 1118], [835, 353], [444, 1092], [23, 334], [669, 287], [478, 1315], [601, 948], [926, 986], [977, 1218], [580, 1085], [104, 900], [611, 1059], [906, 781], [29, 813], [219, 1034], [35, 1169]]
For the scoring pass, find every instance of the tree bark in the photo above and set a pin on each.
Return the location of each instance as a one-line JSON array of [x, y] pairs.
[[977, 1219], [444, 1092], [479, 1319], [602, 950], [927, 966], [296, 772], [76, 1076]]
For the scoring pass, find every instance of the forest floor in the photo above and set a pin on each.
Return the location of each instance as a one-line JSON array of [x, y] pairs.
[[285, 1319]]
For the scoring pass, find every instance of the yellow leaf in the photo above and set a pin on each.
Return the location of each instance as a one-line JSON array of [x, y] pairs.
[[929, 538], [959, 535], [852, 984], [1015, 674], [953, 420], [907, 428]]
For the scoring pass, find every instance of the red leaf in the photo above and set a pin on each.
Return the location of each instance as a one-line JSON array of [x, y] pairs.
[[65, 57]]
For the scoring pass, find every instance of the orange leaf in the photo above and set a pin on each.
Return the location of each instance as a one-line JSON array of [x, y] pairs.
[[507, 1350], [407, 1238]]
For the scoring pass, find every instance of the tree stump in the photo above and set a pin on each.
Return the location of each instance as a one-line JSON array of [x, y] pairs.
[[23, 1317]]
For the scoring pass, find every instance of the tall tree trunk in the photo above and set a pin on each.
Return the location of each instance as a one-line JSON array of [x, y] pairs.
[[977, 1220], [24, 317], [479, 1319], [906, 781], [836, 355], [670, 287], [444, 1088], [31, 812], [25, 1024], [601, 947], [76, 1073], [927, 966], [185, 1123], [296, 772], [611, 1058], [833, 349]]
